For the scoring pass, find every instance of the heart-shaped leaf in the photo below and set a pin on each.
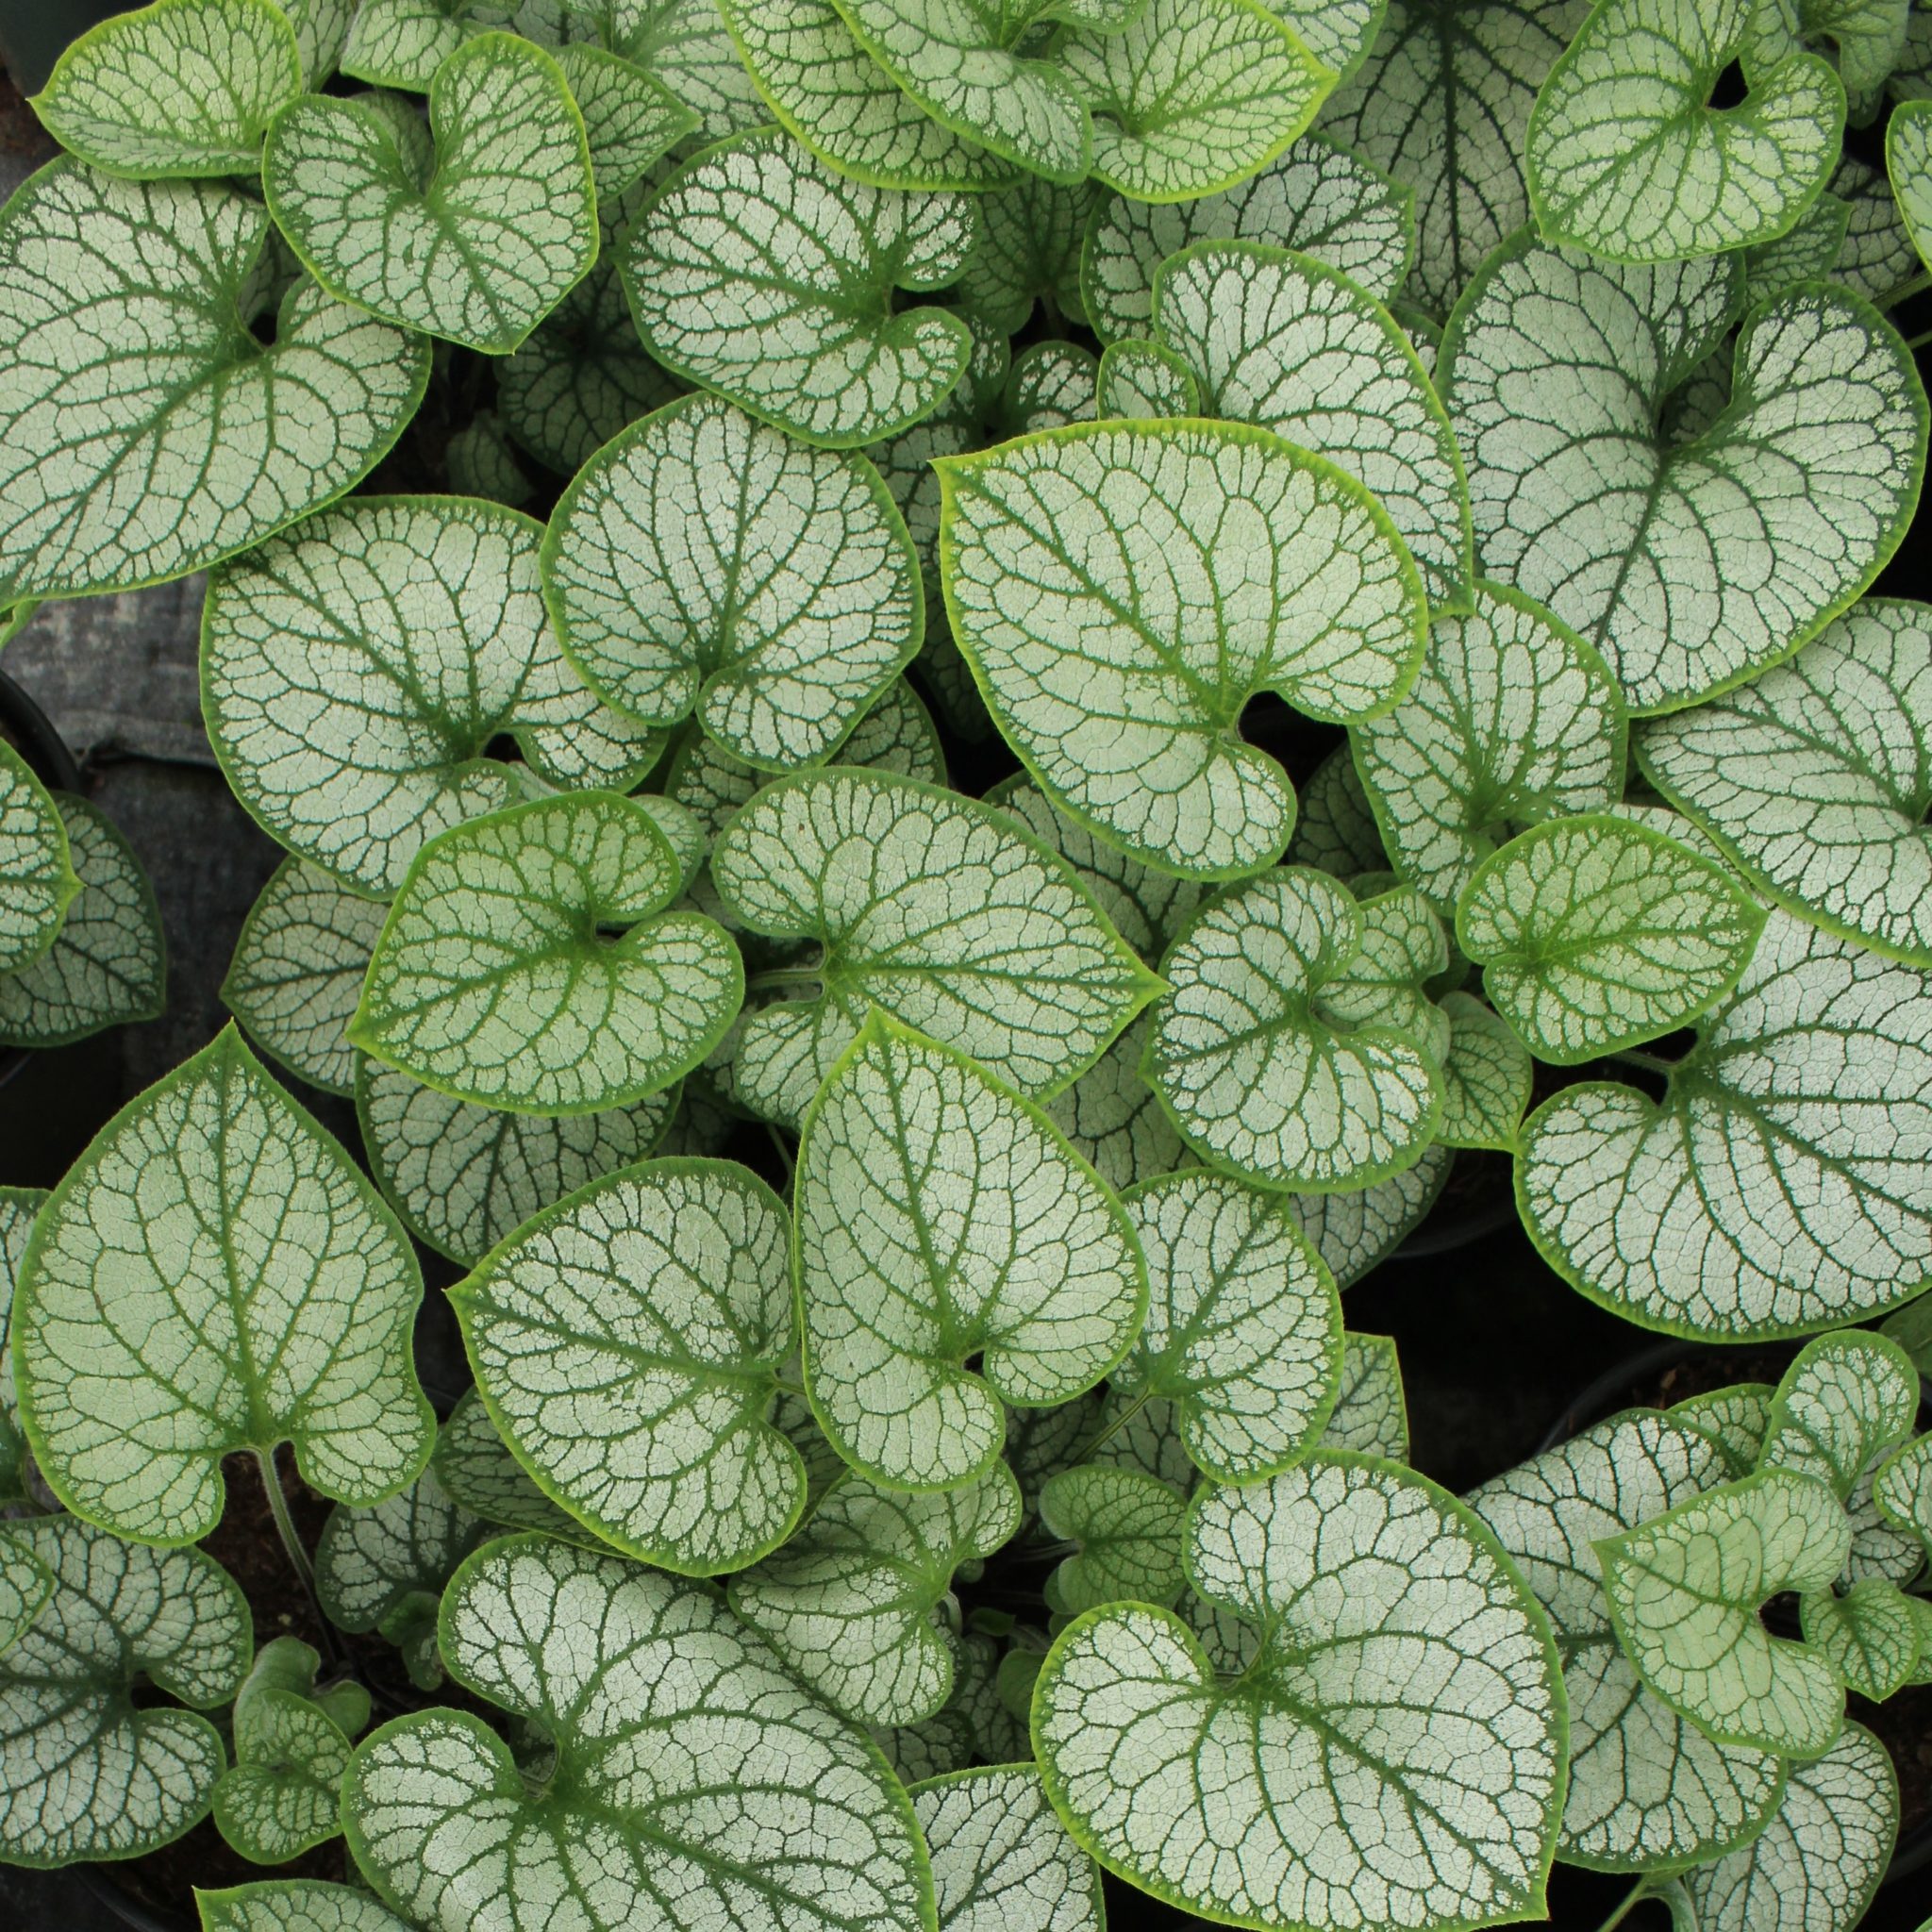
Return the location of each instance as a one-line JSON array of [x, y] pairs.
[[1869, 1636], [1684, 1590], [628, 1342], [1594, 934], [1128, 1528], [86, 1771], [1315, 197], [1628, 158], [1779, 1186], [790, 314], [1845, 1400], [1143, 381], [294, 1905], [1815, 1867], [941, 1218], [214, 1274], [856, 1602], [704, 564], [182, 87], [1243, 1330], [37, 881], [1371, 1413], [1284, 341], [1648, 1791], [493, 979], [473, 1464], [214, 441], [630, 120], [1736, 1419], [1815, 776], [1255, 1054], [932, 906], [689, 1768], [1324, 1786], [354, 671], [1192, 96], [1002, 1862], [480, 248], [1691, 554], [1512, 717], [280, 1799], [1117, 646], [1443, 101], [1028, 254]]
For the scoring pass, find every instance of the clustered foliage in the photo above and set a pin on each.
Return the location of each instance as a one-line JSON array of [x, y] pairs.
[[1468, 380]]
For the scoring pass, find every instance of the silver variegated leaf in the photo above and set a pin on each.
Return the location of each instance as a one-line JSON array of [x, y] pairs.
[[37, 882], [1002, 1859]]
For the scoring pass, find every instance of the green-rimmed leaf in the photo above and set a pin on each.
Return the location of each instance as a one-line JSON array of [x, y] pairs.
[[1260, 1071], [322, 27], [1243, 1330], [463, 1178], [294, 1905], [1128, 1527], [1512, 717], [1335, 830], [1339, 33], [1594, 934], [1029, 253], [298, 970], [384, 1568], [829, 92], [474, 1465], [355, 671], [1315, 197], [1735, 1418], [702, 563], [480, 249], [182, 87], [689, 1768], [37, 881], [1444, 102], [1284, 341], [856, 1602], [1326, 1786], [1816, 1865], [25, 1583], [1788, 1156], [1627, 156], [630, 120], [214, 1274], [18, 1207], [1690, 559], [494, 981], [107, 964], [1901, 1489], [1846, 1400], [1817, 777], [1486, 1077], [86, 1773], [1002, 1862], [628, 1342], [934, 908], [1868, 37], [1908, 163], [1192, 96], [790, 314], [1117, 646], [401, 43], [939, 1217], [1371, 1413], [1684, 1590], [280, 1799], [1113, 1118], [1648, 1789], [1143, 381], [1869, 1636], [683, 43], [203, 442]]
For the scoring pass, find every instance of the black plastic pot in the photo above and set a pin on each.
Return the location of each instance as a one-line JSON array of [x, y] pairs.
[[135, 1913], [34, 34], [1452, 1224]]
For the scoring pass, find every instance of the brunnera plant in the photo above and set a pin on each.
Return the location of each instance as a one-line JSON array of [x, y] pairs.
[[643, 453]]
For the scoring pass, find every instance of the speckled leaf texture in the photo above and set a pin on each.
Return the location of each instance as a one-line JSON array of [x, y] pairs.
[[294, 1905], [37, 881], [628, 1342], [279, 1797], [942, 1218], [356, 670], [630, 120], [26, 1584], [1324, 1787], [1127, 1526], [213, 1275], [143, 431], [1690, 554], [760, 273], [704, 564], [1909, 165], [1122, 590], [1002, 1862], [695, 1780], [477, 249]]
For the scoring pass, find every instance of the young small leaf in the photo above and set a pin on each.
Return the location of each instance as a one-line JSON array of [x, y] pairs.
[[1128, 1527], [37, 881], [1117, 646], [494, 982], [1144, 382], [181, 86], [1322, 1787], [86, 1773], [690, 1765], [1869, 1636], [1684, 1591], [704, 564], [280, 1799], [939, 1217], [1002, 1860], [477, 250], [1844, 1401], [789, 314], [1487, 1077], [1371, 1413], [1736, 1419]]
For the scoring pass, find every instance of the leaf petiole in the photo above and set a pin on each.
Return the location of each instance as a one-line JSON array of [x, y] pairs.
[[1628, 1903], [291, 1543]]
